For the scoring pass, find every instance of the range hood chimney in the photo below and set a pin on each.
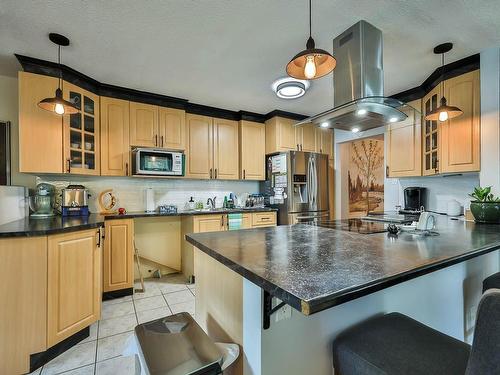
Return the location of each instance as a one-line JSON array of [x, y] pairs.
[[358, 83]]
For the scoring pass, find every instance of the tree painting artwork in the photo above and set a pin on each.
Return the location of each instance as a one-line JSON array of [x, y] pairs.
[[366, 177]]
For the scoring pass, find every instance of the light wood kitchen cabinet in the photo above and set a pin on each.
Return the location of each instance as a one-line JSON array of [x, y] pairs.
[[199, 153], [212, 151], [280, 135], [226, 154], [460, 137], [246, 221], [252, 151], [324, 141], [115, 143], [73, 283], [198, 224], [404, 152], [81, 132], [40, 131], [171, 128], [23, 315], [263, 219], [430, 133], [143, 125], [118, 258], [305, 138]]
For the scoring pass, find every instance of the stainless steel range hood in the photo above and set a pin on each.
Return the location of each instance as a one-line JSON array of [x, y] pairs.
[[358, 88]]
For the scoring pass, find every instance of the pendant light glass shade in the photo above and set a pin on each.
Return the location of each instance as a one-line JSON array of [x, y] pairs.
[[312, 62], [57, 104], [444, 112]]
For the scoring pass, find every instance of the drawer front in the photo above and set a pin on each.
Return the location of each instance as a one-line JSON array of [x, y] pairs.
[[263, 219]]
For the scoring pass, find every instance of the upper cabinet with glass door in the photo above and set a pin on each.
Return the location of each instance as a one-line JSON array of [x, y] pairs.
[[430, 134], [81, 132]]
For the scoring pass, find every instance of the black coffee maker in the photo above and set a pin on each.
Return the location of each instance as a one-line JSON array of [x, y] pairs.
[[415, 199]]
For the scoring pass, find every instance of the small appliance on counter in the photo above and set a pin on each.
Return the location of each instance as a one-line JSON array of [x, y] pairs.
[[75, 201], [42, 201], [415, 200]]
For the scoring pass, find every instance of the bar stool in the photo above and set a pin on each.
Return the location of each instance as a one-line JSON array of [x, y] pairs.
[[491, 282], [395, 344]]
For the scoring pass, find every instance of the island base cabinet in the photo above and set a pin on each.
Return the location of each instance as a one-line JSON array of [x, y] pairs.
[[118, 258], [219, 303], [73, 283], [23, 314]]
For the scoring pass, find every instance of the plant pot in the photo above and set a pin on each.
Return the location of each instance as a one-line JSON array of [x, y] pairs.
[[486, 212]]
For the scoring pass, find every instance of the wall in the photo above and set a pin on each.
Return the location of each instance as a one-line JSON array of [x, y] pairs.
[[441, 189], [9, 112], [130, 191]]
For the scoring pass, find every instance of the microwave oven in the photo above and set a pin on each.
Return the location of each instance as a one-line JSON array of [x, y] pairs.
[[157, 162]]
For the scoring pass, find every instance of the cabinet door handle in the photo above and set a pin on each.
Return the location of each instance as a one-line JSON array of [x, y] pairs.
[[99, 238], [298, 149], [126, 169], [162, 141], [156, 140], [386, 171], [215, 173], [68, 165], [244, 174], [210, 173]]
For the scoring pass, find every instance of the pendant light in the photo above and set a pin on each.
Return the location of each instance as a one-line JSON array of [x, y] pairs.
[[57, 104], [312, 62], [444, 112]]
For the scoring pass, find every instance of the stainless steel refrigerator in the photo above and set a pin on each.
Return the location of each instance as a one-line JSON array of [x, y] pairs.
[[297, 184]]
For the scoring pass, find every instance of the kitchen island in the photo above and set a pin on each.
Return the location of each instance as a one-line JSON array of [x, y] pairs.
[[334, 279]]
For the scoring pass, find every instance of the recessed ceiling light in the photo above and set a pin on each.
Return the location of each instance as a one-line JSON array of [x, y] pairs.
[[324, 125], [393, 119], [355, 130], [290, 88], [361, 112]]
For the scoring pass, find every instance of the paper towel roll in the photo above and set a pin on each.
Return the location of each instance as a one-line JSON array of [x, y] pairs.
[[150, 200]]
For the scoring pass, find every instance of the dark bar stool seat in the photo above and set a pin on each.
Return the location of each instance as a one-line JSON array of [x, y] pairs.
[[395, 344], [492, 282]]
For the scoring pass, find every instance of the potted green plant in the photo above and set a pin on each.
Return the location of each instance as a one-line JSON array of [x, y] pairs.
[[485, 206]]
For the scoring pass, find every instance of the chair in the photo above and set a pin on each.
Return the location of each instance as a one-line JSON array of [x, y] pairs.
[[492, 282], [395, 344]]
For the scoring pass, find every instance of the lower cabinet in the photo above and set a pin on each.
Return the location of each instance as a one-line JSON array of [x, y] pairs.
[[118, 259], [263, 219], [73, 283]]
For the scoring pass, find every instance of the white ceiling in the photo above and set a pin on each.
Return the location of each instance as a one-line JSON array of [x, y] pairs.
[[226, 53]]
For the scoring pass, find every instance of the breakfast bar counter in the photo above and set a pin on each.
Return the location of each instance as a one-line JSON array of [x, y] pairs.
[[332, 279]]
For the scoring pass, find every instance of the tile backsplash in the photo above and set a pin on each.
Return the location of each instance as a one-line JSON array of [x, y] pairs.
[[442, 189], [130, 192]]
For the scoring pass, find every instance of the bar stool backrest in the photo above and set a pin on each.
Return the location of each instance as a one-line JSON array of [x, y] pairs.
[[485, 353]]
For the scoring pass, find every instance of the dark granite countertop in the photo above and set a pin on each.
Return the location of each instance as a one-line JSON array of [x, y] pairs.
[[30, 227], [313, 268]]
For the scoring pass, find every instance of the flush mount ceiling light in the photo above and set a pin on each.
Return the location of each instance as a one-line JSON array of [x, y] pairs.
[[57, 104], [312, 62], [290, 88], [444, 111]]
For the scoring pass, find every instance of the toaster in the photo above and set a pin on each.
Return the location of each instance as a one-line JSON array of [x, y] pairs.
[[74, 201]]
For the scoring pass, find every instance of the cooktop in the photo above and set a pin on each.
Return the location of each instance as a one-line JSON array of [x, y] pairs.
[[353, 225]]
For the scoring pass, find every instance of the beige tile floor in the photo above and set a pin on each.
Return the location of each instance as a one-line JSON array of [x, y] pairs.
[[100, 353]]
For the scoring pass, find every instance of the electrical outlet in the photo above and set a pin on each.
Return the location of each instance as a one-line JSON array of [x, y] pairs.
[[284, 313]]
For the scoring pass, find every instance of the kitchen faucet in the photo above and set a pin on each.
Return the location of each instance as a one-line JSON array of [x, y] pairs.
[[211, 202]]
